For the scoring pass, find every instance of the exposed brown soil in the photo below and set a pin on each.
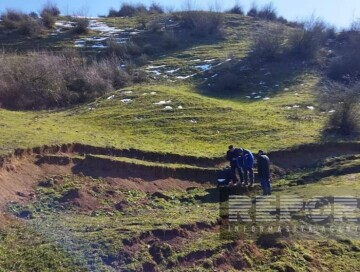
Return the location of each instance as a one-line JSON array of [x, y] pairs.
[[20, 170], [309, 155]]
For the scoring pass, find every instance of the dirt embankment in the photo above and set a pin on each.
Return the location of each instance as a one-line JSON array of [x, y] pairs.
[[106, 167], [311, 154]]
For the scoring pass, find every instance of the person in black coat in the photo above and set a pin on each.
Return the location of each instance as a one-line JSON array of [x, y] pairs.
[[232, 156], [264, 172]]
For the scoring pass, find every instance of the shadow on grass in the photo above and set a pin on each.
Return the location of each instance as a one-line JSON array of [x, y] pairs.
[[251, 80]]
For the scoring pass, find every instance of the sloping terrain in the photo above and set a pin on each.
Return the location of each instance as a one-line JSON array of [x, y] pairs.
[[126, 181], [115, 218]]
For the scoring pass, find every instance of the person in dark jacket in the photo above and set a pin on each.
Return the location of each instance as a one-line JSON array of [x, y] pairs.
[[264, 172], [248, 166], [232, 156]]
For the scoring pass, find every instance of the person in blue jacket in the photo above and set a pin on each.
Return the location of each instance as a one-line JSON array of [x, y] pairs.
[[248, 166], [232, 156]]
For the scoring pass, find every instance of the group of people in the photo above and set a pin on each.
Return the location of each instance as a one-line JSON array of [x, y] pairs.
[[242, 162]]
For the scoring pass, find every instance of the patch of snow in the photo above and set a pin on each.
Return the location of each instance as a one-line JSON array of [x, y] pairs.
[[155, 72], [310, 107], [266, 98], [204, 67], [209, 60], [257, 97], [286, 89], [153, 93], [120, 40], [126, 100], [155, 67], [332, 111], [296, 94], [145, 94], [96, 39], [102, 27], [172, 71], [185, 77], [99, 46], [91, 108], [253, 93], [277, 85], [79, 45], [248, 97], [193, 121], [267, 74], [111, 97], [168, 108], [288, 108], [296, 106], [180, 107], [127, 92], [163, 102], [214, 75], [196, 60], [65, 24]]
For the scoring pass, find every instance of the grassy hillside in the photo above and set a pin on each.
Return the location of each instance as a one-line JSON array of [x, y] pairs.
[[186, 93], [203, 126]]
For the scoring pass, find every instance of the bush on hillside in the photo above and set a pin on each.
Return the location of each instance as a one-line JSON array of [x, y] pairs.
[[12, 18], [253, 11], [306, 42], [156, 8], [203, 23], [170, 41], [268, 44], [236, 9], [128, 10], [346, 119], [81, 25], [124, 51], [267, 12], [21, 23], [30, 27], [346, 66], [43, 80], [49, 14]]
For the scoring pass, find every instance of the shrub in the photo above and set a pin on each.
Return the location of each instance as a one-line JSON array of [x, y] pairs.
[[267, 12], [345, 120], [169, 40], [236, 9], [43, 80], [203, 23], [48, 20], [12, 18], [123, 51], [50, 8], [229, 81], [156, 8], [154, 26], [268, 44], [253, 11], [149, 49], [305, 42], [30, 27], [81, 25], [48, 14], [345, 68], [112, 13]]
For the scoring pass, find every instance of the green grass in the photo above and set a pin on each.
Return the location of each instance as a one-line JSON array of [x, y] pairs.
[[143, 125]]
